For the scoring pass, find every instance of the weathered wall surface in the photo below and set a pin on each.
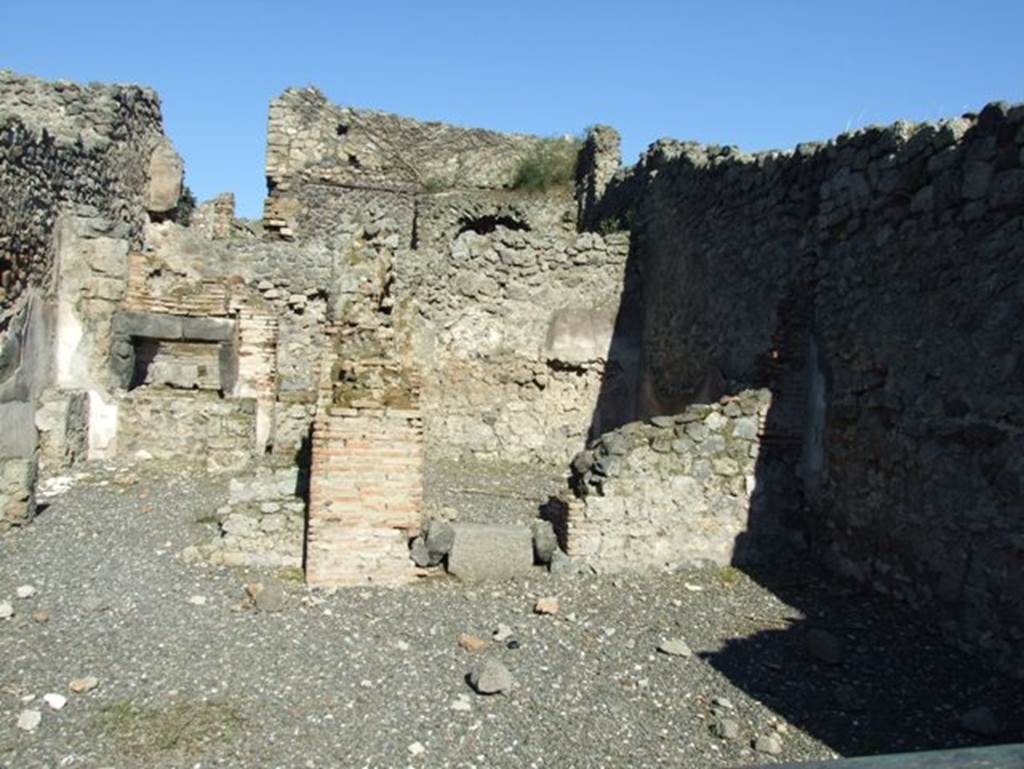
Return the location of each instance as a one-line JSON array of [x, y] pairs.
[[169, 425], [512, 334], [488, 294], [313, 144], [79, 168], [874, 284], [63, 144], [678, 491]]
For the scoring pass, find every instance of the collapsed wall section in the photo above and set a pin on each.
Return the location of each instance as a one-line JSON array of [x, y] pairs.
[[873, 285]]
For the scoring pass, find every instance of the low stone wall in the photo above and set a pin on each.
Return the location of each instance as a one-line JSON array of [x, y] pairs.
[[677, 491], [262, 525], [365, 495], [188, 425]]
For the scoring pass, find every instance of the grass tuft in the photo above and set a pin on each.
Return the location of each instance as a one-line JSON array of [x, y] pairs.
[[551, 163], [184, 728]]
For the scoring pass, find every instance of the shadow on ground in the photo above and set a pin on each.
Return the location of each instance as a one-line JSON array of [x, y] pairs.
[[863, 675]]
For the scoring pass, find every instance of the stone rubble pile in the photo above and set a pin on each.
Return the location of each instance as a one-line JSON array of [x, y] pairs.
[[261, 526]]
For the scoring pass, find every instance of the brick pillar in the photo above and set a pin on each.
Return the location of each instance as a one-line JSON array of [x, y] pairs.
[[365, 495]]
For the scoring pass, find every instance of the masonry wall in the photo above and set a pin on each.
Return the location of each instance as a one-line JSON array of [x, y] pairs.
[[79, 166], [314, 147], [365, 495], [63, 144], [874, 284], [487, 293], [512, 333], [675, 491]]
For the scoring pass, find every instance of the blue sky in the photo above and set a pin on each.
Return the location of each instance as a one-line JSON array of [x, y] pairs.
[[756, 74]]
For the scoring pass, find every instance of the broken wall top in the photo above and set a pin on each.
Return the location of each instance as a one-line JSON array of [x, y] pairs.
[[95, 113], [310, 140]]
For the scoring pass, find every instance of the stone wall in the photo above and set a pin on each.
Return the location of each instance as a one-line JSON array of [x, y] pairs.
[[262, 525], [79, 169], [315, 145], [172, 425], [487, 293], [873, 284], [512, 332], [64, 145], [679, 491]]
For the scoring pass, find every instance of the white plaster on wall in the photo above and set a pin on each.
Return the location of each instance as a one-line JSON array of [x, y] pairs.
[[102, 425], [69, 336]]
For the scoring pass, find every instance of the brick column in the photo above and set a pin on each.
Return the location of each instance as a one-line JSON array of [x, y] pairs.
[[365, 495]]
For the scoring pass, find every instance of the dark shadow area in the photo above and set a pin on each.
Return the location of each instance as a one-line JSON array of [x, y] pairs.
[[485, 225], [556, 512], [864, 675], [304, 462], [858, 671], [617, 397]]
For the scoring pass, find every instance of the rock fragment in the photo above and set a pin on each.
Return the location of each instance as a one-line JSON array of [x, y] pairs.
[[725, 728], [546, 605], [561, 563], [84, 684], [6, 610], [490, 677], [25, 591], [490, 551], [267, 596], [439, 537], [472, 643], [545, 543], [55, 701], [675, 647], [420, 554], [768, 743], [28, 720]]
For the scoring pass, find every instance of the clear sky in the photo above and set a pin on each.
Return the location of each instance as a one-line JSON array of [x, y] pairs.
[[757, 74]]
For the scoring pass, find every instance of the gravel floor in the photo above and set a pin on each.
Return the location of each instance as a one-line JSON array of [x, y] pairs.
[[368, 677], [476, 491]]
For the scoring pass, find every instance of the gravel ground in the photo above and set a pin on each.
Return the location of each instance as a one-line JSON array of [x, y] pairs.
[[476, 491], [368, 677]]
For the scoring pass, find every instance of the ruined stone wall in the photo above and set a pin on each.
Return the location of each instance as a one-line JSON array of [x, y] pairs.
[[219, 432], [79, 168], [677, 491], [485, 292], [315, 147], [512, 331], [61, 145], [874, 284]]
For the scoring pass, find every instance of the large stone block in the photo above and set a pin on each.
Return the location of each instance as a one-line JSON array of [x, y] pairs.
[[149, 325], [166, 170], [490, 551]]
